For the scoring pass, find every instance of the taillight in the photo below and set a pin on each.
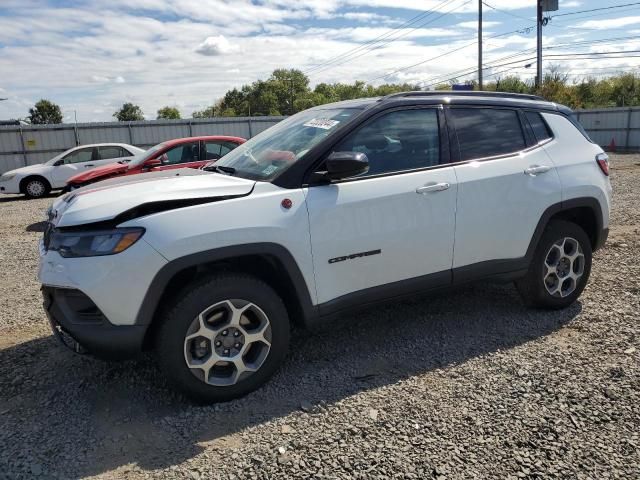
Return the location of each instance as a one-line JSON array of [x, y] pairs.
[[603, 163]]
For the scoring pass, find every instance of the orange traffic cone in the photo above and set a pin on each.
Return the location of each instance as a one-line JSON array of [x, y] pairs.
[[612, 145]]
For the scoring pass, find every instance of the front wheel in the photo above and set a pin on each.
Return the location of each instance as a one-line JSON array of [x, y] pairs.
[[36, 188], [224, 338], [560, 267]]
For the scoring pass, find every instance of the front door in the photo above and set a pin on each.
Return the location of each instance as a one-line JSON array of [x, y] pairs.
[[392, 224], [78, 161], [186, 155]]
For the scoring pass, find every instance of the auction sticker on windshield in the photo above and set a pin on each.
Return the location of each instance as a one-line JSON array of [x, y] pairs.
[[323, 123]]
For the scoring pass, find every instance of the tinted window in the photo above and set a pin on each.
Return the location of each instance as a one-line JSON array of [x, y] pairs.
[[182, 154], [212, 150], [79, 156], [486, 132], [397, 141], [111, 152], [540, 128]]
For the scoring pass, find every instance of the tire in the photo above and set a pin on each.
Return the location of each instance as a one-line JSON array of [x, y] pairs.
[[36, 187], [560, 267], [208, 307]]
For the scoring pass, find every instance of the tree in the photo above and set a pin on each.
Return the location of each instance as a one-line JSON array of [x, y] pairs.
[[169, 113], [208, 112], [44, 112], [129, 113]]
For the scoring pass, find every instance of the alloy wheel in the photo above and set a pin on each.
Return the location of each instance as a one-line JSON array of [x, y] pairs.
[[563, 267], [227, 342]]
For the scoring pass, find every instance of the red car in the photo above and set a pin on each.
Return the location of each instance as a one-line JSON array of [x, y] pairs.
[[191, 152]]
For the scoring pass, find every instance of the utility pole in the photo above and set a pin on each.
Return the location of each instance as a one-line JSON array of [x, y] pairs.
[[539, 24], [480, 85]]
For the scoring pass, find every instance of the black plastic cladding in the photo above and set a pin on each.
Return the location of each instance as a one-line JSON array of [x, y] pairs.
[[294, 177]]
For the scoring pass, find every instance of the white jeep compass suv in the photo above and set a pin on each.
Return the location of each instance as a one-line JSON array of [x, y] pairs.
[[335, 208]]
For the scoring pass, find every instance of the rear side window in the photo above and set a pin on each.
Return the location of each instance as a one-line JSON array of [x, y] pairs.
[[539, 126], [487, 132], [112, 152]]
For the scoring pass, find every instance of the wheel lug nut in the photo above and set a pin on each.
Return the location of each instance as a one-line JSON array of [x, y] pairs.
[[237, 345], [224, 333], [218, 343], [226, 351], [237, 334]]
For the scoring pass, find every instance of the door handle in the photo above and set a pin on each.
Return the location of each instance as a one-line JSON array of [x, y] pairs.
[[87, 166], [432, 187], [534, 170]]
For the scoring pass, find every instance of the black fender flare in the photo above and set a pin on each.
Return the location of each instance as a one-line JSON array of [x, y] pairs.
[[589, 202], [154, 294]]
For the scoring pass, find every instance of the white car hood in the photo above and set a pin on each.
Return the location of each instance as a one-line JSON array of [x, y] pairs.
[[99, 203], [38, 168]]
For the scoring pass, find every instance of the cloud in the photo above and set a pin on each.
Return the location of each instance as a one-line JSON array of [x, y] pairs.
[[368, 17], [80, 53], [474, 25], [612, 23], [214, 46], [104, 79]]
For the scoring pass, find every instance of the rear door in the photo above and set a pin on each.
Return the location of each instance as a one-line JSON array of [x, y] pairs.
[[505, 182], [110, 154], [216, 149], [389, 230]]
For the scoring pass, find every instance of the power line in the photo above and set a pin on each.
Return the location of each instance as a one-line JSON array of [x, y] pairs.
[[506, 12], [406, 24], [564, 57], [449, 52], [599, 15], [394, 39], [526, 30], [596, 9], [383, 39]]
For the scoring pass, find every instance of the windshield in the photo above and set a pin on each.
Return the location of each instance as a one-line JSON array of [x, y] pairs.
[[140, 158], [270, 153]]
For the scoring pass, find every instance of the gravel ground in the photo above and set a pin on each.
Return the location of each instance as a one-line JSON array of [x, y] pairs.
[[466, 385]]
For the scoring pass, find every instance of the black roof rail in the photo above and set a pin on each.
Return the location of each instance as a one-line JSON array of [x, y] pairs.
[[464, 93]]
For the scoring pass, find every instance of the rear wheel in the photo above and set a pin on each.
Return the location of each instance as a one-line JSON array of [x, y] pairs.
[[226, 337], [560, 267], [36, 187]]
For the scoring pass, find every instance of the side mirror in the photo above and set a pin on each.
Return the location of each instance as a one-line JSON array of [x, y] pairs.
[[154, 162], [346, 164], [59, 162]]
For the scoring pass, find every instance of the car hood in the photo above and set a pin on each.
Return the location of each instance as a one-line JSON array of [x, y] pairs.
[[156, 191], [38, 168], [98, 172]]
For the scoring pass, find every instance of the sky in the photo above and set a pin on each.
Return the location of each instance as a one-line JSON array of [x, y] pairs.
[[90, 56]]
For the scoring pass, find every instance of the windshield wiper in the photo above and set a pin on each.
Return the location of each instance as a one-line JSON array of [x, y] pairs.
[[224, 169]]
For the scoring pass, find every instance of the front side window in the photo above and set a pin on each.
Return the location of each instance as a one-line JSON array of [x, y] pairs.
[[107, 153], [182, 154], [273, 151], [397, 141], [79, 156], [487, 132]]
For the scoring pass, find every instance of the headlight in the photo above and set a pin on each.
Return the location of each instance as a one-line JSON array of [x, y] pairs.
[[93, 243], [6, 177]]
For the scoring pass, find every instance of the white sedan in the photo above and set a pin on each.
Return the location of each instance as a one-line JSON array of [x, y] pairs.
[[36, 181]]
